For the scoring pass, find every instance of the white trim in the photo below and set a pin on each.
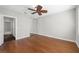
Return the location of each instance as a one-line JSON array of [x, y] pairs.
[[56, 37], [15, 20], [77, 44], [9, 16], [22, 37]]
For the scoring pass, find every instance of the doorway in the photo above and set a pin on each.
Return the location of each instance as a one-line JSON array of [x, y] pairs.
[[9, 29]]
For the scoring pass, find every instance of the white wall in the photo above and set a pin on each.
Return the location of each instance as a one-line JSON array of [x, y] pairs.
[[61, 25], [34, 26], [23, 24]]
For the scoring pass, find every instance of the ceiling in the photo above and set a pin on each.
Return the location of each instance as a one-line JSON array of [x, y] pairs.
[[52, 9]]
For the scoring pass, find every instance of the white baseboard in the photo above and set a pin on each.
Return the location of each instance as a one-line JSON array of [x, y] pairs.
[[77, 44], [22, 37], [55, 37]]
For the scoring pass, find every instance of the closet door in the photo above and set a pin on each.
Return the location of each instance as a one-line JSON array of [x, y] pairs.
[[1, 30]]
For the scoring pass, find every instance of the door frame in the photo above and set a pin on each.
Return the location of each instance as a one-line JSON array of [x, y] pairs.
[[15, 25]]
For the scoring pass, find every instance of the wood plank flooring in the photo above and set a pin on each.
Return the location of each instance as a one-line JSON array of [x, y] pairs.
[[39, 44]]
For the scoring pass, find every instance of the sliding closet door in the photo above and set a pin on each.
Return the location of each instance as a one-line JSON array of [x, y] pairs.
[[1, 30]]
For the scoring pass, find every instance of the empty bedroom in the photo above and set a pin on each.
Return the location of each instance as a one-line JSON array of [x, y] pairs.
[[39, 29]]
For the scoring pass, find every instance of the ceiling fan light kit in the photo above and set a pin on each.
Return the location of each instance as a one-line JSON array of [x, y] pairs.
[[38, 10]]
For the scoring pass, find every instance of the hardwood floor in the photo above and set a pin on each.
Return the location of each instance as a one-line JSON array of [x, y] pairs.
[[38, 44]]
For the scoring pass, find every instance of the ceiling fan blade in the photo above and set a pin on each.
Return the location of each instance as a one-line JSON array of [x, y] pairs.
[[33, 12], [44, 11], [31, 9], [39, 13]]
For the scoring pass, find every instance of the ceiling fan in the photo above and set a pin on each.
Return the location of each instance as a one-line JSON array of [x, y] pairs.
[[38, 9]]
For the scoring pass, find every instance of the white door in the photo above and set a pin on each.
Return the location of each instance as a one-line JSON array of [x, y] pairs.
[[1, 31]]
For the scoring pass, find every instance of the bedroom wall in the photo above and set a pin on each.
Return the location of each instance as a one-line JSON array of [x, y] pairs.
[[23, 23], [61, 25], [34, 26]]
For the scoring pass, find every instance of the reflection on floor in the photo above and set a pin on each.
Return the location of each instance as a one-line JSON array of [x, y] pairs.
[[38, 43]]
